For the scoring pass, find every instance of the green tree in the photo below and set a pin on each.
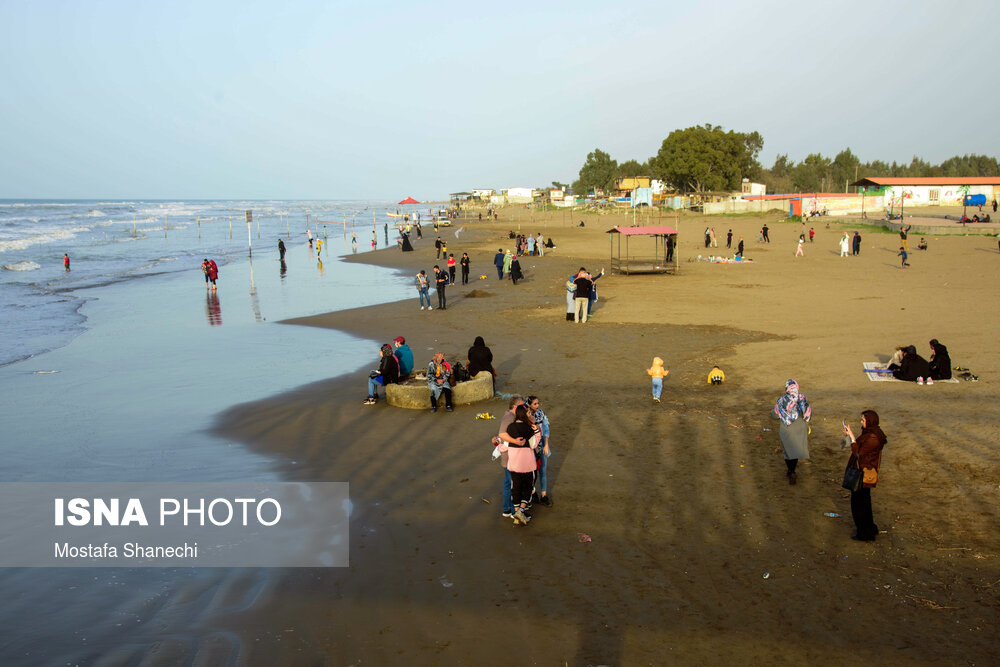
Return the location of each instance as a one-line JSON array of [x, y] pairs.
[[846, 168], [632, 169], [599, 171], [707, 158], [812, 174]]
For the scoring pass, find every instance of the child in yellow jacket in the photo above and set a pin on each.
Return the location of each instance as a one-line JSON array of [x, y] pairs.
[[716, 376], [658, 372]]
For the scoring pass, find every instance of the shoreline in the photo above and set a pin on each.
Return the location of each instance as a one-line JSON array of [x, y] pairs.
[[686, 502]]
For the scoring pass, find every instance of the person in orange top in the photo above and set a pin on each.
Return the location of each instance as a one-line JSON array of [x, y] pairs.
[[658, 372]]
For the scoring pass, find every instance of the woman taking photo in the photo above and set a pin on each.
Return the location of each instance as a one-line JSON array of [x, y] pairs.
[[866, 454]]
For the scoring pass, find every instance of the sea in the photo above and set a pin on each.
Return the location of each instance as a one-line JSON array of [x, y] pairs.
[[116, 369]]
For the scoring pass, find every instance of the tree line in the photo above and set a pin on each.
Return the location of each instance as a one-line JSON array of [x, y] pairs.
[[707, 158]]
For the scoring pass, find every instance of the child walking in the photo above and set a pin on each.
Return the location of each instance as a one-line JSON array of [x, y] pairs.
[[903, 254], [658, 372]]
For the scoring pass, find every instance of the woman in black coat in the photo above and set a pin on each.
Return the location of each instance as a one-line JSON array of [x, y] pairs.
[[480, 358], [940, 362]]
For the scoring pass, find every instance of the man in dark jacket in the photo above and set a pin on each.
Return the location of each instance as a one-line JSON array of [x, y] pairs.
[[441, 281], [498, 262], [438, 244]]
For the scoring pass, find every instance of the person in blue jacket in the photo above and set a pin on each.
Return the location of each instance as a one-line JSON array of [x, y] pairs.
[[403, 355], [498, 262]]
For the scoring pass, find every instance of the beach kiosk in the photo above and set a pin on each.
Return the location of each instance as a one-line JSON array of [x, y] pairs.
[[655, 250]]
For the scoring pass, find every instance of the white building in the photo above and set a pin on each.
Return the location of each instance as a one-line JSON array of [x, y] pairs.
[[931, 190]]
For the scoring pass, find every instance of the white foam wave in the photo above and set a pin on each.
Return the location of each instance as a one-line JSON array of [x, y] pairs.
[[50, 236], [26, 265]]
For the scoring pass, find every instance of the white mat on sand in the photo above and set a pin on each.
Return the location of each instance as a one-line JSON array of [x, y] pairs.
[[886, 375]]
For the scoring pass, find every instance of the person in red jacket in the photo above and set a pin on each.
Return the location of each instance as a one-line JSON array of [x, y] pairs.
[[213, 272], [66, 261], [866, 453]]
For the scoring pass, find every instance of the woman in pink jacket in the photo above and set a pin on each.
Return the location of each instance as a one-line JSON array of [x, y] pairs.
[[521, 461]]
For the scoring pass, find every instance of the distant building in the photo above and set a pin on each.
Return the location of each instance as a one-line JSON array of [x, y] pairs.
[[520, 195], [557, 195], [931, 190], [754, 189], [482, 194]]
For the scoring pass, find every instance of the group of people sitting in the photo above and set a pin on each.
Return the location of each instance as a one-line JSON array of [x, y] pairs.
[[395, 365], [909, 366], [976, 218]]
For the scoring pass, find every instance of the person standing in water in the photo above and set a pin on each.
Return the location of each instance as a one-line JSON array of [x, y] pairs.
[[66, 261]]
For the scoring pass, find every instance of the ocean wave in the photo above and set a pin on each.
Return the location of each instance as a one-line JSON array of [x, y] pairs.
[[49, 236], [92, 213], [26, 265]]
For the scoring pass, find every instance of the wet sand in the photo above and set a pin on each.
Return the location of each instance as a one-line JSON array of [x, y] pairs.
[[686, 502]]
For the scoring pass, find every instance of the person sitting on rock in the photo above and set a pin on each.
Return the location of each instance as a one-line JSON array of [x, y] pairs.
[[439, 381], [387, 373]]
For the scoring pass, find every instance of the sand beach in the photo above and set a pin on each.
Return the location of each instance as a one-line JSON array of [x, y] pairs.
[[699, 551]]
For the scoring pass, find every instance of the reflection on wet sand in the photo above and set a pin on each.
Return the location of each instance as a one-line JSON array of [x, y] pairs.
[[213, 308]]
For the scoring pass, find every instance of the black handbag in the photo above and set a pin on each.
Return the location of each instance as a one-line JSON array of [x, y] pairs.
[[852, 477]]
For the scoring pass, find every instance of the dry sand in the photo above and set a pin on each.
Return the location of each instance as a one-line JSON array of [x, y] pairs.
[[701, 551]]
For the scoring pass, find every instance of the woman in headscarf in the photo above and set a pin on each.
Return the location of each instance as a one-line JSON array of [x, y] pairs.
[[940, 361], [480, 358], [794, 412], [507, 259], [515, 270], [866, 453]]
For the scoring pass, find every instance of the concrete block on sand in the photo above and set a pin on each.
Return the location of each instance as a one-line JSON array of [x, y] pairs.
[[416, 396]]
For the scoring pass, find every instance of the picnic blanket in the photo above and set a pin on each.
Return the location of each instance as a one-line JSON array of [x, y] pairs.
[[877, 372]]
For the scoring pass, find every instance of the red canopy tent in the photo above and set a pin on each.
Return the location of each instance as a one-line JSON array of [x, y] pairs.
[[662, 260], [409, 200]]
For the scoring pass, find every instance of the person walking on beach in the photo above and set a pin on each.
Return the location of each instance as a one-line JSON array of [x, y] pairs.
[[844, 245], [794, 412], [309, 235], [385, 228], [465, 268], [812, 234], [508, 259], [281, 250], [708, 237], [452, 265], [715, 243], [319, 247], [856, 244], [739, 247], [66, 261], [729, 239], [542, 422], [540, 245], [354, 243], [441, 283], [902, 254], [437, 246], [521, 462], [515, 270], [422, 290], [581, 297], [439, 381], [374, 239], [799, 252], [658, 372], [866, 454], [498, 262], [204, 269], [763, 233]]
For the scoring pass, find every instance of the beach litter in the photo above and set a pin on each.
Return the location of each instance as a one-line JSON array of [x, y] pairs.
[[485, 415], [486, 501], [444, 581], [583, 537], [832, 515], [766, 575]]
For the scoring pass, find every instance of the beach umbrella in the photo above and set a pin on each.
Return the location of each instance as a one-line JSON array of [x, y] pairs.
[[409, 200]]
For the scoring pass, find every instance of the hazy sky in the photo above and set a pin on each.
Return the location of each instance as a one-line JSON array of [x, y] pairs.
[[332, 100]]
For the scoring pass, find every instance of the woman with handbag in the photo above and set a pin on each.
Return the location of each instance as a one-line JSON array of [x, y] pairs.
[[866, 455]]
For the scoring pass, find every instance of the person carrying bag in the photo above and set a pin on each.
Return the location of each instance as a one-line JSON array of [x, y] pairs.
[[861, 475]]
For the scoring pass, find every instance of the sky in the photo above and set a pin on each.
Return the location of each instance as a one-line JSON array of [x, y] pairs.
[[382, 100]]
